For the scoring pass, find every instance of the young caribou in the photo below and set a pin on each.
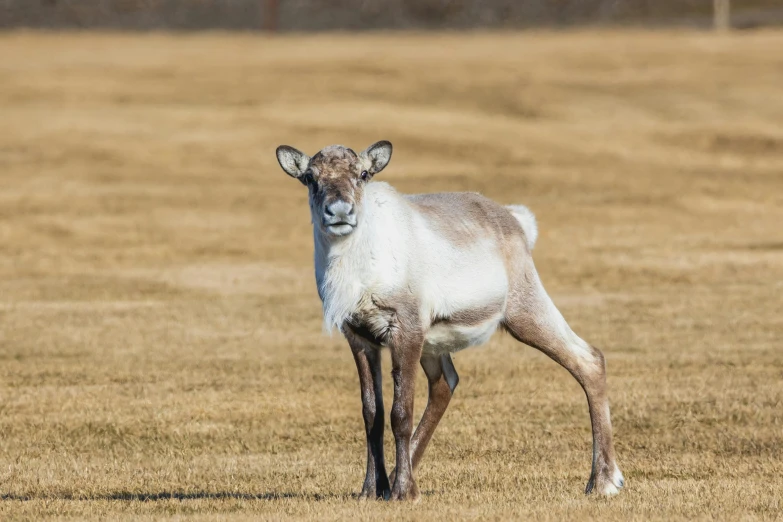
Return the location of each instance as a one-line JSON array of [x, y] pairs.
[[427, 275]]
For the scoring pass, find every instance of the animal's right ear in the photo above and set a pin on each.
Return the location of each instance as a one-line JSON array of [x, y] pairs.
[[294, 162]]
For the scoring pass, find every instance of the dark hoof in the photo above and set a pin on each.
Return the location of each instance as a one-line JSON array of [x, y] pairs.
[[372, 492], [379, 495]]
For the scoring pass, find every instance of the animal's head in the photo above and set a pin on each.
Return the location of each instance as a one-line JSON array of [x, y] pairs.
[[336, 178]]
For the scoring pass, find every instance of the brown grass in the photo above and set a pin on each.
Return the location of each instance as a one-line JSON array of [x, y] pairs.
[[160, 333]]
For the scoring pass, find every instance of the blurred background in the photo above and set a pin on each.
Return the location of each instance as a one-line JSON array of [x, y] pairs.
[[161, 352], [352, 15]]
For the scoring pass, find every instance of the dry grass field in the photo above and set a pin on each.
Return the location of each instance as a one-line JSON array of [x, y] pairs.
[[161, 353]]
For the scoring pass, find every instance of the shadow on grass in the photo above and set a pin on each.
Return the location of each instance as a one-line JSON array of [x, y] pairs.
[[194, 495], [177, 495]]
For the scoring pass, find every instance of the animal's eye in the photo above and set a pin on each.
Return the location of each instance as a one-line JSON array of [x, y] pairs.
[[364, 175], [308, 177]]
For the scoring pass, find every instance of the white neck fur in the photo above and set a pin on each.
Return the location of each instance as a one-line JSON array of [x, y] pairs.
[[344, 265]]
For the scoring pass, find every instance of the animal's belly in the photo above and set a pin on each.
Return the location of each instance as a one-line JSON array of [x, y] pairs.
[[449, 337]]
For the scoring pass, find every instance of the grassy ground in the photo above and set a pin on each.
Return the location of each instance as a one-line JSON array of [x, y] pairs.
[[160, 340]]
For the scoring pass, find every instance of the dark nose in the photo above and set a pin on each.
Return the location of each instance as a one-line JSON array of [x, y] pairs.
[[339, 209]]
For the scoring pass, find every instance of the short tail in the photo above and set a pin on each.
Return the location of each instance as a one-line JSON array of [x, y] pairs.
[[528, 222]]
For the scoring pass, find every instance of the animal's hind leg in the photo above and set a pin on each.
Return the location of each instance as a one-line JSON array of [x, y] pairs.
[[533, 319], [442, 379]]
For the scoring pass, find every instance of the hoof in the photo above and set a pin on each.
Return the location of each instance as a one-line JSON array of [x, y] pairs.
[[379, 495], [606, 483], [409, 493], [380, 491]]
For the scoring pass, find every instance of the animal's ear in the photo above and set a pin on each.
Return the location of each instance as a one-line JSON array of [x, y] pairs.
[[378, 155], [294, 162]]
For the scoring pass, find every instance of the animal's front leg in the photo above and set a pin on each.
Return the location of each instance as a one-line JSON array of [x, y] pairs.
[[442, 378], [405, 359], [368, 363]]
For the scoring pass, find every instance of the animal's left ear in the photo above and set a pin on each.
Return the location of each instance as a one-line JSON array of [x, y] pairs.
[[378, 155]]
